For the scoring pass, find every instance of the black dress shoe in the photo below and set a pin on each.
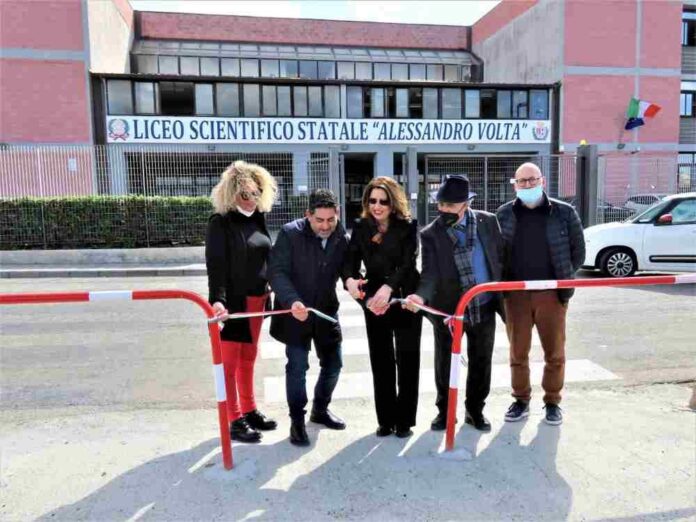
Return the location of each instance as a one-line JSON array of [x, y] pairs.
[[242, 432], [439, 422], [384, 431], [298, 434], [259, 421], [402, 433], [328, 419], [478, 421]]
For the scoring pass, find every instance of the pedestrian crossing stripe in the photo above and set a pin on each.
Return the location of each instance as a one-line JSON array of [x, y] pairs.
[[352, 385], [270, 349]]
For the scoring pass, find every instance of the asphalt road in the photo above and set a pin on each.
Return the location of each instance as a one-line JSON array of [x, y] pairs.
[[132, 355]]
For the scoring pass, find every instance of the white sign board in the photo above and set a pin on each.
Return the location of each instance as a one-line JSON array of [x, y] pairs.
[[209, 130]]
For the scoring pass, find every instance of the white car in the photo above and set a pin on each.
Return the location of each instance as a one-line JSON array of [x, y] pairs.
[[640, 202], [662, 238]]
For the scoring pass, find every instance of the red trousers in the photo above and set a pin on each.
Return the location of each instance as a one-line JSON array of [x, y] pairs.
[[238, 361]]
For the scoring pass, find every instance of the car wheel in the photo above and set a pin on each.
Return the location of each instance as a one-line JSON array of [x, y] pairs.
[[618, 262]]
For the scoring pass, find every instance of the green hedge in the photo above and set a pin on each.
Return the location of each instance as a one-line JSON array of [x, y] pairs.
[[103, 222]]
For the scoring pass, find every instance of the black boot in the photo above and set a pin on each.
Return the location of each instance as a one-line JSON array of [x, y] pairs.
[[259, 421], [298, 433], [242, 432]]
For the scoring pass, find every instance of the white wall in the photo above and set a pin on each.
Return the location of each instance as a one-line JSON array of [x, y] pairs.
[[109, 37], [527, 50]]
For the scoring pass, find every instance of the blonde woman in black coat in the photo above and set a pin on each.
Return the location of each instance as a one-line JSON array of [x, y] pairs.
[[385, 242], [236, 251]]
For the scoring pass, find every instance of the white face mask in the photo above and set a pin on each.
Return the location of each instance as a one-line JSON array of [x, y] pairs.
[[245, 212]]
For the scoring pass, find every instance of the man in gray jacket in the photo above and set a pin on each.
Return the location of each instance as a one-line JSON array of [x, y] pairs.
[[543, 241]]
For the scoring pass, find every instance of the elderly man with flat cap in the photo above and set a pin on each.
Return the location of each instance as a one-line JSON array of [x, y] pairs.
[[461, 248]]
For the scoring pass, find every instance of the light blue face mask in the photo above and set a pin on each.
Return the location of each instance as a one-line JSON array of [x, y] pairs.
[[529, 196]]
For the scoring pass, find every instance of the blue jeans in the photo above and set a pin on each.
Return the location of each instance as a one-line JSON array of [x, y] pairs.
[[330, 361]]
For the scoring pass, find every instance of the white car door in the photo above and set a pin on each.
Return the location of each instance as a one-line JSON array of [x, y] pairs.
[[672, 246]]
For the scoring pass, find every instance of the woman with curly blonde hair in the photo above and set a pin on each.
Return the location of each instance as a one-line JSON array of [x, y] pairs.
[[236, 251], [385, 241]]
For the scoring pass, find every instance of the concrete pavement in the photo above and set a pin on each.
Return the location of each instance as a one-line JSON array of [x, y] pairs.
[[621, 454]]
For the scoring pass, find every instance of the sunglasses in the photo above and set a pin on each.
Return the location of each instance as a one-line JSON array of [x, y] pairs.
[[374, 201], [247, 196]]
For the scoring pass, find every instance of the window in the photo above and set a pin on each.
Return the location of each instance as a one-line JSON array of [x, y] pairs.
[[145, 98], [434, 72], [382, 71], [119, 97], [377, 103], [332, 100], [168, 64], [308, 70], [204, 99], [346, 70], [416, 72], [269, 68], [210, 67], [466, 73], [189, 66], [688, 34], [539, 103], [519, 104], [268, 98], [354, 102], [684, 212], [250, 68], [504, 104], [252, 102], [472, 104], [401, 102], [230, 66], [284, 102], [415, 102], [430, 104], [315, 105], [451, 73], [227, 95], [399, 71], [177, 98], [363, 71], [288, 69], [489, 107], [686, 104], [146, 64], [451, 104], [300, 97], [326, 70]]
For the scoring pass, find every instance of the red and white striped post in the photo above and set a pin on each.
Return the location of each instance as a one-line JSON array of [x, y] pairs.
[[511, 286], [141, 295]]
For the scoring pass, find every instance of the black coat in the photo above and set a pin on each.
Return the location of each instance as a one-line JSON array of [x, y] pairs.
[[299, 269], [225, 260], [392, 262], [439, 284]]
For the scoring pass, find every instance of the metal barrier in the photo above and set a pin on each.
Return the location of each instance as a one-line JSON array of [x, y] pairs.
[[141, 295], [510, 286]]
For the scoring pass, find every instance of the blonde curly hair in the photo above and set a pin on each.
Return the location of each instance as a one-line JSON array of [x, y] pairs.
[[397, 197], [234, 179]]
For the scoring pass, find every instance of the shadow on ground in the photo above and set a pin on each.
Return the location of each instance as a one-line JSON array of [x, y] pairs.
[[371, 478]]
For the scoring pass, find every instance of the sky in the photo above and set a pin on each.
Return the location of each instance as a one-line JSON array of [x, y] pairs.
[[412, 11]]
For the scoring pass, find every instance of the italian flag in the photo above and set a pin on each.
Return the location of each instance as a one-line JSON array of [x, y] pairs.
[[638, 110]]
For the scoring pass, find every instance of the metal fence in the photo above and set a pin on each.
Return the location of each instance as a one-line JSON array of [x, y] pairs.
[[629, 184], [489, 177], [31, 176]]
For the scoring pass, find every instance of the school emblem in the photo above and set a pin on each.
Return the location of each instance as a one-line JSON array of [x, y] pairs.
[[118, 129], [541, 131]]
